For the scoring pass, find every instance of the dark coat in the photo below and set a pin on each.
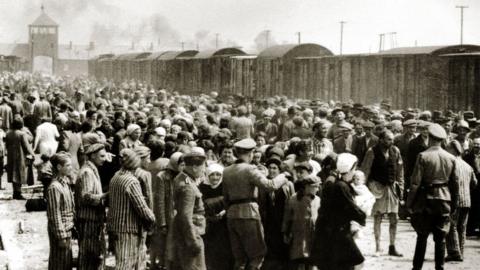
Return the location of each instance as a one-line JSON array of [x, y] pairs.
[[18, 147], [415, 147], [360, 146], [334, 246]]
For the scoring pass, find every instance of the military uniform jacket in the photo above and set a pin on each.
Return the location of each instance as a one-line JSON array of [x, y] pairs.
[[240, 189], [433, 179]]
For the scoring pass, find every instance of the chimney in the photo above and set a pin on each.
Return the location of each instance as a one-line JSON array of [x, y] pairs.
[[133, 46], [70, 46], [91, 46]]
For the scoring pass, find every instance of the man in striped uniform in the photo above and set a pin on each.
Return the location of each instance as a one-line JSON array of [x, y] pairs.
[[91, 210], [60, 214], [129, 214], [466, 182]]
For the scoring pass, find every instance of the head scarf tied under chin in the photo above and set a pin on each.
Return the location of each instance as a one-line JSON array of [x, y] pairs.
[[214, 167], [131, 128], [130, 160], [345, 162]]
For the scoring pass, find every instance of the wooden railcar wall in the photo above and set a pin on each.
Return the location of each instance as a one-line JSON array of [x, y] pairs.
[[464, 83], [408, 81], [242, 77]]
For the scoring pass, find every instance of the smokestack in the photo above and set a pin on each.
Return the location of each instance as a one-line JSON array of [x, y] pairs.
[[91, 46], [71, 45], [133, 46]]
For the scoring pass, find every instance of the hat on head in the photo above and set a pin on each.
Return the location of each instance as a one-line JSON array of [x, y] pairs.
[[131, 128], [194, 157], [345, 126], [358, 106], [93, 148], [276, 151], [423, 123], [173, 162], [468, 115], [303, 165], [410, 123], [368, 124], [345, 162], [268, 113], [245, 144], [142, 151], [130, 160], [437, 131], [337, 110], [463, 124], [273, 160], [311, 180], [160, 131]]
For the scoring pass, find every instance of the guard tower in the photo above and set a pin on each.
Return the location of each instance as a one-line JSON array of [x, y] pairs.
[[43, 44]]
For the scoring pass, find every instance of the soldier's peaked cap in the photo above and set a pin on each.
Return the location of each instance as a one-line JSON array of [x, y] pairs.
[[437, 131], [245, 144]]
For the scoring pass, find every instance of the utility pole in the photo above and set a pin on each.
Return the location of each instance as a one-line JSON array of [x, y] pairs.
[[198, 47], [216, 40], [267, 36], [299, 37], [393, 42], [382, 37], [341, 36], [461, 22]]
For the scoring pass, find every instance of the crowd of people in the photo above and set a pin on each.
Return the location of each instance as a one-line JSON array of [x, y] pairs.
[[169, 181]]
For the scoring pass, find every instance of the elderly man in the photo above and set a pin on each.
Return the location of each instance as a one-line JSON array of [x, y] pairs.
[[189, 223], [383, 168], [240, 183], [129, 214], [90, 202], [433, 197]]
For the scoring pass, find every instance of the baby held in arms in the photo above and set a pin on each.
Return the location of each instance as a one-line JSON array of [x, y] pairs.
[[364, 199]]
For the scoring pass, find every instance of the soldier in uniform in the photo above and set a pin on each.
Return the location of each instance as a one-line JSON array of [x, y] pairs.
[[189, 223], [240, 189], [433, 197]]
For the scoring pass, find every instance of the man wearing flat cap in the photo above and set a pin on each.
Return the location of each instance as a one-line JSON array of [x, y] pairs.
[[335, 130], [90, 202], [189, 223], [361, 144], [343, 142], [433, 197], [415, 147], [241, 181]]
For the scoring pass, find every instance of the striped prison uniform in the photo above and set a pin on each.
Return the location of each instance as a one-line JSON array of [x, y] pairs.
[[90, 218], [458, 226], [60, 215], [127, 217]]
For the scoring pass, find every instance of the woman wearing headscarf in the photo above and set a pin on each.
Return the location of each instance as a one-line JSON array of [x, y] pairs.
[[132, 137], [60, 213], [334, 247], [162, 189], [215, 238]]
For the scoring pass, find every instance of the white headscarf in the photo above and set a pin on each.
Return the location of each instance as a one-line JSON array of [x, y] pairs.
[[345, 162], [214, 167]]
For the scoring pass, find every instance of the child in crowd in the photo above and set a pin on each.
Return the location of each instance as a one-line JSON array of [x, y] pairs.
[[299, 222]]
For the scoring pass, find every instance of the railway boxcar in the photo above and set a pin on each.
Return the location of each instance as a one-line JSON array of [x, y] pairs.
[[104, 67], [242, 77], [149, 68], [212, 71], [275, 67], [169, 69], [409, 77], [138, 69]]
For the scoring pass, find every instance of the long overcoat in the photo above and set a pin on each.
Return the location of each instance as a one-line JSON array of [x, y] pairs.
[[18, 147]]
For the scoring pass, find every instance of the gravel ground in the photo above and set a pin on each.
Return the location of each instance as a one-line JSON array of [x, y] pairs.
[[29, 249]]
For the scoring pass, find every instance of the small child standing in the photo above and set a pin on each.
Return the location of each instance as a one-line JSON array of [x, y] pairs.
[[299, 222]]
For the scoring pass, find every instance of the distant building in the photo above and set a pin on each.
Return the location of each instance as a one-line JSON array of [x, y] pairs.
[[44, 54]]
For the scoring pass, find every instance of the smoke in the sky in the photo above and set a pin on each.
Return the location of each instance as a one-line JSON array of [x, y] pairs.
[[263, 40]]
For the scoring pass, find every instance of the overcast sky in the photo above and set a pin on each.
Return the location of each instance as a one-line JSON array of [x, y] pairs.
[[239, 22]]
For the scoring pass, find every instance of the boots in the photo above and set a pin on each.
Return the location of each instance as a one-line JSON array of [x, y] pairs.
[[17, 196], [393, 252]]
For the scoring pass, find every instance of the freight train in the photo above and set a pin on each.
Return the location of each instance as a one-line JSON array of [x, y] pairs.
[[434, 77]]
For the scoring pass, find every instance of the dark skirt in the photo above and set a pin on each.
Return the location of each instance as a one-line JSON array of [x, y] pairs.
[[335, 249]]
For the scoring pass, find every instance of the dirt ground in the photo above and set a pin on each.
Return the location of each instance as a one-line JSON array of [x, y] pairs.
[[28, 249]]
